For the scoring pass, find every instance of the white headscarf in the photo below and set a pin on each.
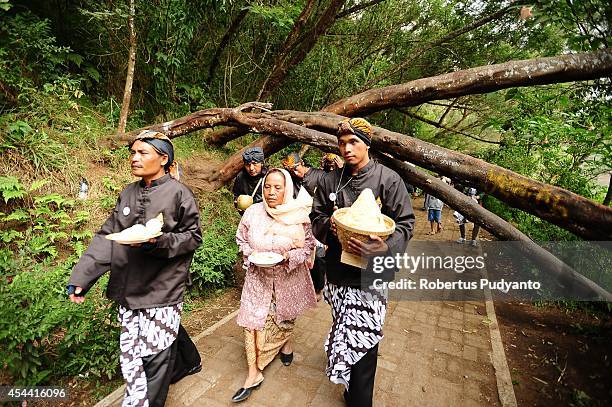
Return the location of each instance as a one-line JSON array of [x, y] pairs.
[[289, 216], [292, 211]]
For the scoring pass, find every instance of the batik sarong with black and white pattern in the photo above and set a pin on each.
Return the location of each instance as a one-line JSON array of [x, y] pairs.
[[144, 332], [358, 317]]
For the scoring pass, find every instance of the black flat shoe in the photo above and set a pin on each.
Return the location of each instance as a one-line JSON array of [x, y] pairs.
[[185, 373], [244, 393], [286, 358]]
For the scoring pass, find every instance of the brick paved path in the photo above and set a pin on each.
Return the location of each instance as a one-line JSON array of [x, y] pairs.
[[433, 353]]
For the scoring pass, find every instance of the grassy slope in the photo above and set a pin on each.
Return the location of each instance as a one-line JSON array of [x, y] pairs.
[[63, 145]]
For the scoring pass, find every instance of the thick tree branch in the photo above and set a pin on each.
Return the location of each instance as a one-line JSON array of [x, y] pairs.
[[483, 79], [539, 71]]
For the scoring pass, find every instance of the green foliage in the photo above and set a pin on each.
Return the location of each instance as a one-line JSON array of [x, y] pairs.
[[42, 335], [36, 228], [279, 15], [560, 136], [214, 260], [586, 24], [30, 58], [11, 188], [44, 153]]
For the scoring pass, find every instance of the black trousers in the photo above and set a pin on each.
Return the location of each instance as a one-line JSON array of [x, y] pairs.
[[318, 269], [361, 386], [161, 369], [187, 356], [158, 369]]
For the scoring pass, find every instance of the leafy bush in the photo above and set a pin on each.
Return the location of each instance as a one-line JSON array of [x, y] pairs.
[[30, 57], [35, 146], [44, 336], [36, 228], [214, 260]]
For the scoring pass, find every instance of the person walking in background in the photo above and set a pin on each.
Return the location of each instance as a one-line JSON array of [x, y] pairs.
[[462, 220], [331, 162], [248, 180], [273, 297], [434, 213], [295, 166], [148, 280]]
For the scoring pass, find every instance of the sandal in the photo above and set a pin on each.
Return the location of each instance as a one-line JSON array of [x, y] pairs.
[[286, 358]]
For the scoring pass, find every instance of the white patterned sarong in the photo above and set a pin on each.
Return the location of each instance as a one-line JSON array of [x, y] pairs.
[[357, 320], [144, 332]]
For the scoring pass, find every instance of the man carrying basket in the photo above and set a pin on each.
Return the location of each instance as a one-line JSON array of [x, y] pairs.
[[358, 311]]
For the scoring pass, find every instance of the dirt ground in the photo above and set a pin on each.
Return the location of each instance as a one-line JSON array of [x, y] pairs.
[[557, 356]]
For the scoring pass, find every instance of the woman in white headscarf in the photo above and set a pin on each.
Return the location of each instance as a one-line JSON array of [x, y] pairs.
[[273, 297]]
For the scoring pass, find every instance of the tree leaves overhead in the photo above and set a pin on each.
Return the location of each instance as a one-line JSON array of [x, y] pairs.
[[200, 54]]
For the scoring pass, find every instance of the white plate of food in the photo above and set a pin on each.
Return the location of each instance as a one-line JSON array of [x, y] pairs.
[[133, 239], [139, 233], [266, 259]]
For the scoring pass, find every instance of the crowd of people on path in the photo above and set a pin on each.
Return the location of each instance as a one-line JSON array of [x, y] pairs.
[[286, 211]]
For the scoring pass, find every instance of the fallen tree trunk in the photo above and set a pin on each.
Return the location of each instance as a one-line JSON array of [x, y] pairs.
[[585, 218], [483, 79], [564, 68], [202, 119], [221, 136]]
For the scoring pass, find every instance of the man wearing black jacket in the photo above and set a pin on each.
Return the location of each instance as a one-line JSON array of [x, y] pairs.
[[148, 279], [248, 181], [358, 311]]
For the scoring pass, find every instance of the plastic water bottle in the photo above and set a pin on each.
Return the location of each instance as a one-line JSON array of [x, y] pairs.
[[84, 189]]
